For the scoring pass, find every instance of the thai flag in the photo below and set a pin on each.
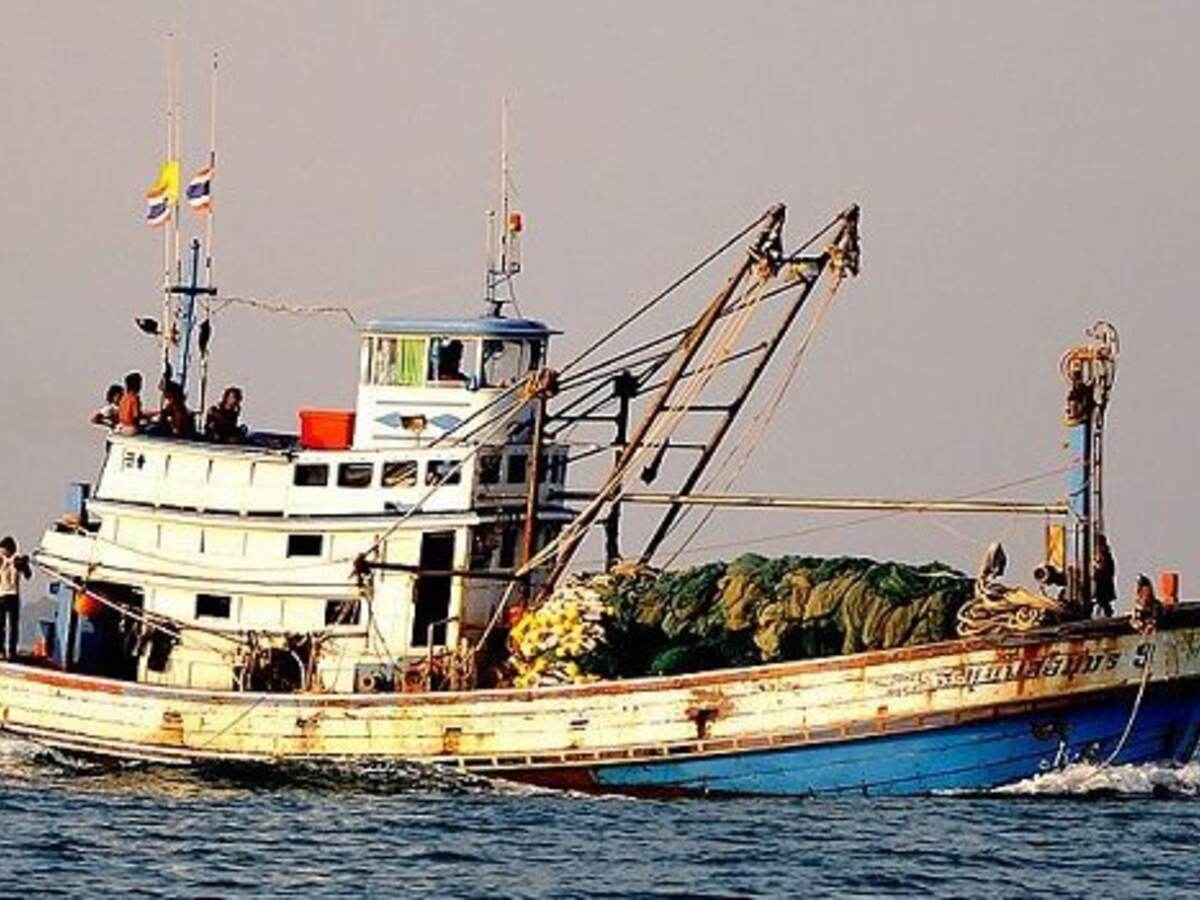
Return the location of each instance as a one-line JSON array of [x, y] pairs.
[[158, 208], [199, 190]]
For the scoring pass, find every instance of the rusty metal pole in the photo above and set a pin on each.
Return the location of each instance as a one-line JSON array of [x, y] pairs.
[[846, 234], [688, 346], [625, 388], [529, 535]]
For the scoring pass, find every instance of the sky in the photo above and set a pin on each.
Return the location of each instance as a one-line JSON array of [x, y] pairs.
[[1024, 169]]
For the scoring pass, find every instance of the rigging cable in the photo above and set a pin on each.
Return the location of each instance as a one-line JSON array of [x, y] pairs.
[[662, 295], [752, 435]]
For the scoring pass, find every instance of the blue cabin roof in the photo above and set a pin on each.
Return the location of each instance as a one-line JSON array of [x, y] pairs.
[[483, 326]]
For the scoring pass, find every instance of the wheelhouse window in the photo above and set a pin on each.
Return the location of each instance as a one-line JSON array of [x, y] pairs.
[[395, 361], [311, 475], [305, 544], [442, 471], [213, 606], [452, 361], [506, 362], [356, 475], [399, 473], [343, 612]]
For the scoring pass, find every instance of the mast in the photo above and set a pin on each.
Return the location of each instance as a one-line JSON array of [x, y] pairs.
[[1090, 370], [185, 319], [174, 157], [165, 327], [503, 241], [206, 326]]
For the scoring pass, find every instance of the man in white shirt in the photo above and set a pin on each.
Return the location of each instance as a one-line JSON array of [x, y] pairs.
[[12, 568]]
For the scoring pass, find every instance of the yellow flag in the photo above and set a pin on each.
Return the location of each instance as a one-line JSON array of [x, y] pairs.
[[167, 186], [170, 179]]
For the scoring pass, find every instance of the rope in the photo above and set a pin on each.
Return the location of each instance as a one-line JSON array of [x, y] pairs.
[[144, 618], [1133, 713], [275, 307], [1013, 610], [236, 719]]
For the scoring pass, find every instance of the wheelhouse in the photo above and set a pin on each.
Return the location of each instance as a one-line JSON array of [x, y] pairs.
[[422, 378]]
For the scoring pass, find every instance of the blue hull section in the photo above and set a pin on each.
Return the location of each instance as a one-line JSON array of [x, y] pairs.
[[977, 756]]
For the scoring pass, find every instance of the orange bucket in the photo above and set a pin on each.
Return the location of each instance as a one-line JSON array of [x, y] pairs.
[[326, 429], [1168, 588]]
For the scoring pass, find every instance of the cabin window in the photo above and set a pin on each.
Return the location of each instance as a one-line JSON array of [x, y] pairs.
[[508, 546], [305, 544], [399, 473], [311, 475], [397, 361], [506, 362], [489, 468], [452, 361], [443, 471], [518, 464], [343, 612], [356, 475], [484, 542], [212, 606], [558, 469]]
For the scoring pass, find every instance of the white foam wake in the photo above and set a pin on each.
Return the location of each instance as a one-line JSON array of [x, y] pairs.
[[1148, 779]]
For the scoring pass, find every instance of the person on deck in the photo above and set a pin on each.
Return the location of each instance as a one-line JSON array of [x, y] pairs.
[[222, 425], [13, 567], [1146, 608], [174, 419], [1081, 399], [131, 418], [109, 414], [1104, 578]]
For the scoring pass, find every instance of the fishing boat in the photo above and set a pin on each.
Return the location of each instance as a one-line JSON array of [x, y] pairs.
[[345, 594]]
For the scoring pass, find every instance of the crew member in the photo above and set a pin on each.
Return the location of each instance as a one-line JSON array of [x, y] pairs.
[[222, 425], [109, 414], [1080, 399], [1146, 608], [13, 567], [130, 417], [174, 419], [991, 570], [1104, 578]]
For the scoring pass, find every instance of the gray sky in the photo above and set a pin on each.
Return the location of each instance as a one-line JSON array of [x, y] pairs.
[[1024, 168]]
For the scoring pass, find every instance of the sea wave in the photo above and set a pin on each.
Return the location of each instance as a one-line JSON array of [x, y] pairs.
[[1093, 779]]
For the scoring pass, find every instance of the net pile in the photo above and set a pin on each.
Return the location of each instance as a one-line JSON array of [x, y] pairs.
[[548, 643], [748, 611]]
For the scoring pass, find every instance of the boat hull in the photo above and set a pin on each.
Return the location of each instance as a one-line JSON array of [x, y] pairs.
[[969, 758], [962, 715]]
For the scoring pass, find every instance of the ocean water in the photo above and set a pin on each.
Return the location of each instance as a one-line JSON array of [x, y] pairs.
[[80, 830]]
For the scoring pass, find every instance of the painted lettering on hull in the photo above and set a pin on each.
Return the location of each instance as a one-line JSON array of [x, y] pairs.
[[1054, 664]]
